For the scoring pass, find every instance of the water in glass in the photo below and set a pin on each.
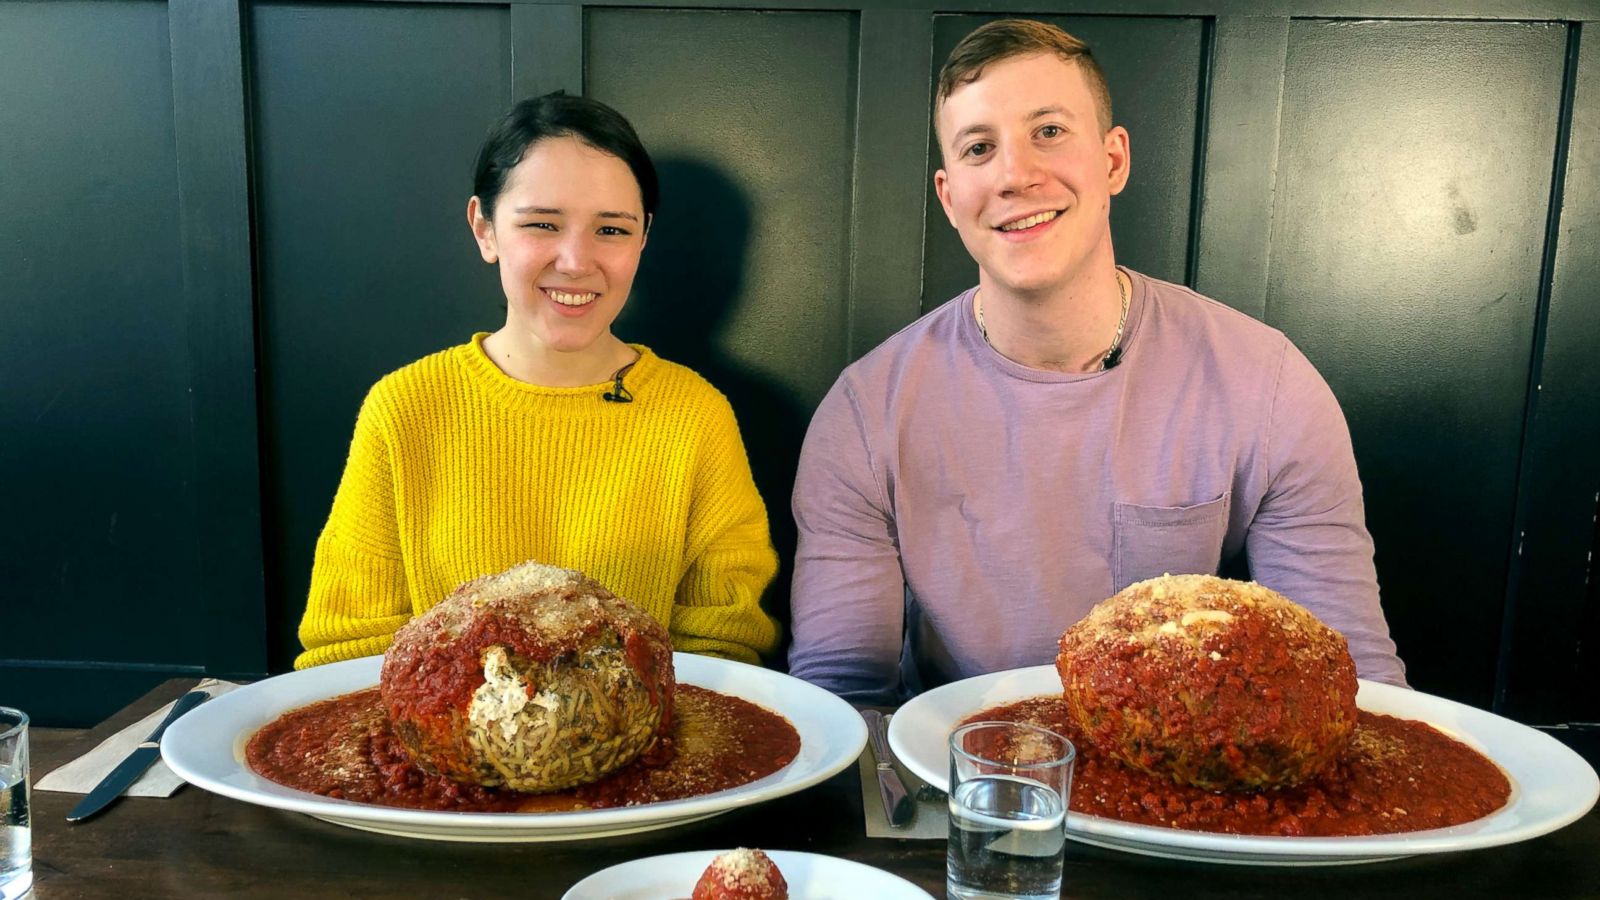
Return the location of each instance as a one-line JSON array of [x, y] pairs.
[[1007, 839], [16, 836]]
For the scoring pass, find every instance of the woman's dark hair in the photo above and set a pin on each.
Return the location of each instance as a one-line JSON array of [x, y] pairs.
[[558, 115]]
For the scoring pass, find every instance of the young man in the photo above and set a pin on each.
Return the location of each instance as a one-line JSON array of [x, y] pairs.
[[974, 485]]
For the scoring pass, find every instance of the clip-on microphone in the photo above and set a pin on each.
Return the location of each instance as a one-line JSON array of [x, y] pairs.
[[618, 393]]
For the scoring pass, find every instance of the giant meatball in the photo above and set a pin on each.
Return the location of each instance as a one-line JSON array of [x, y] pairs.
[[1220, 684], [536, 679]]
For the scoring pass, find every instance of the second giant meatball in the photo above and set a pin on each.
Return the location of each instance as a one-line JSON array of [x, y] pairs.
[[1220, 684]]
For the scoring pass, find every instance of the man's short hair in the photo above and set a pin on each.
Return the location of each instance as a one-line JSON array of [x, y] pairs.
[[1006, 38]]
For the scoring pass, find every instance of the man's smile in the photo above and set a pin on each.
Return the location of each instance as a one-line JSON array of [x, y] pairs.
[[1027, 226]]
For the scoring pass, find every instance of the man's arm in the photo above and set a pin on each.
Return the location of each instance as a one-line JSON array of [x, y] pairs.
[[1309, 539], [847, 603]]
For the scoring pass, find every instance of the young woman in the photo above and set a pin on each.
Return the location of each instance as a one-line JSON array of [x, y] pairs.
[[549, 439]]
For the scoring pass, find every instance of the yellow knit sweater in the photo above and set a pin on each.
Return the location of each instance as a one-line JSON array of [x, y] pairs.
[[457, 470]]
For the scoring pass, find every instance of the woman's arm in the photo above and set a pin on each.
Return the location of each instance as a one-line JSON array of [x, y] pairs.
[[728, 552], [358, 596]]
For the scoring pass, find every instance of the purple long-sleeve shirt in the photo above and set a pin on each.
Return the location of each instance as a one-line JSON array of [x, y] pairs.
[[961, 510]]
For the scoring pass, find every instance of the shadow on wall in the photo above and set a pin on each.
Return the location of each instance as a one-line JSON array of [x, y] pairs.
[[689, 283]]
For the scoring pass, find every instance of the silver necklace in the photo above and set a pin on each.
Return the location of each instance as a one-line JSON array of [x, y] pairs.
[[1113, 354]]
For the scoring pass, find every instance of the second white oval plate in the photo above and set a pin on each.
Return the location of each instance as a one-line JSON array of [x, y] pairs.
[[1551, 786]]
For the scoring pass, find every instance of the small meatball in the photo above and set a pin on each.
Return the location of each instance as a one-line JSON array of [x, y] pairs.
[[742, 874]]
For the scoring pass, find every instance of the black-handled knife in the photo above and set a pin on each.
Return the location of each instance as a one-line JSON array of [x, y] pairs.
[[129, 770], [897, 803]]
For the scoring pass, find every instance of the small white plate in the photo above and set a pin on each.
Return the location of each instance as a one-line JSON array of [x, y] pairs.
[[206, 749], [810, 877], [1551, 786]]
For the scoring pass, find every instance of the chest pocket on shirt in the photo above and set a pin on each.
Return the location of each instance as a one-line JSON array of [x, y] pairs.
[[1149, 541]]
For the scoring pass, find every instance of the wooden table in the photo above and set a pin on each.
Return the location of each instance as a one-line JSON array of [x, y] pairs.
[[197, 844]]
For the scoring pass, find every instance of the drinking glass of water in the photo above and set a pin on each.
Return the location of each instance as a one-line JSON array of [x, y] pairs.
[[1009, 789], [16, 837]]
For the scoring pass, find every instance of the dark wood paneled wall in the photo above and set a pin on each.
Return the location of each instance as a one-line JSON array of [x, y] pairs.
[[1405, 262], [99, 539], [221, 221]]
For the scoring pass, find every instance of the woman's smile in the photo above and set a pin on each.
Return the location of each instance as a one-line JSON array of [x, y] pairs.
[[571, 303]]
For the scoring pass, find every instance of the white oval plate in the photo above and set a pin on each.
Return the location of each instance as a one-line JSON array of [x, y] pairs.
[[810, 877], [1551, 786], [206, 749]]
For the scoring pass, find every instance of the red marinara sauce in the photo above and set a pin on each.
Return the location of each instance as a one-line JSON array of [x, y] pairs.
[[344, 748], [1396, 775]]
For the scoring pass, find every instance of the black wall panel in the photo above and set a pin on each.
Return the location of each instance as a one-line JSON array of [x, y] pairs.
[[1550, 653], [367, 120], [1413, 188], [753, 142], [745, 275], [97, 519], [1154, 68]]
